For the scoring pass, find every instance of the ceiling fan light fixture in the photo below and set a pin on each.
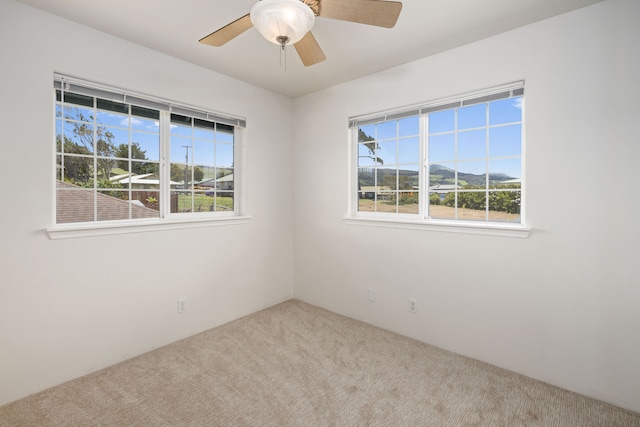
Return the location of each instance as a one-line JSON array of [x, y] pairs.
[[282, 22]]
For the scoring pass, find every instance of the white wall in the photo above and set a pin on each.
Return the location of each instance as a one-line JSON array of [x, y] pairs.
[[560, 306], [68, 307]]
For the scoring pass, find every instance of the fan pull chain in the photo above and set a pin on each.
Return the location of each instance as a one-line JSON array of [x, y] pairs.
[[283, 51]]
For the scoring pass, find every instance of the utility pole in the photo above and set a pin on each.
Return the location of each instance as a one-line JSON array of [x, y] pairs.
[[186, 166]]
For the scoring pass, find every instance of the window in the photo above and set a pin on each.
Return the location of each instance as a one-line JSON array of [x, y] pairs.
[[456, 161], [111, 148]]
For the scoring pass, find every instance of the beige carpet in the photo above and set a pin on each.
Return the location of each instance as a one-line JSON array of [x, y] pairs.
[[297, 365]]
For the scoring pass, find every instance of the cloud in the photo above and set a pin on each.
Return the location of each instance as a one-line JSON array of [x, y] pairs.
[[518, 103]]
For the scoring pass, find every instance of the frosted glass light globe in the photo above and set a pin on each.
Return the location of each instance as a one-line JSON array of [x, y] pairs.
[[282, 22]]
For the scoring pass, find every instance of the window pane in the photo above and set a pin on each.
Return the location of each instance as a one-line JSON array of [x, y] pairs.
[[366, 205], [181, 125], [472, 144], [505, 111], [111, 136], [202, 202], [180, 150], [104, 166], [367, 155], [180, 200], [386, 203], [408, 178], [141, 115], [73, 98], [145, 146], [472, 117], [224, 134], [145, 125], [74, 204], [409, 126], [409, 150], [505, 173], [408, 202], [79, 137], [224, 155], [442, 121], [145, 204], [472, 205], [226, 203], [505, 141], [112, 119], [387, 178], [204, 130], [145, 176], [205, 125], [120, 173], [116, 107], [442, 174], [441, 204], [386, 130], [387, 152], [366, 183], [472, 174], [366, 133], [223, 201], [112, 205], [442, 148], [225, 180], [203, 153], [504, 206], [183, 201], [78, 170]]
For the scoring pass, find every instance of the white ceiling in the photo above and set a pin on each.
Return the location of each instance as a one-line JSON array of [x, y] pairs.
[[425, 27]]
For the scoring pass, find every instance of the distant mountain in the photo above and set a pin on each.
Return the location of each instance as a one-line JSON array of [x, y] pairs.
[[438, 174]]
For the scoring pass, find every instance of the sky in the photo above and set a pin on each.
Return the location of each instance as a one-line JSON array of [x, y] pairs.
[[206, 146], [488, 135]]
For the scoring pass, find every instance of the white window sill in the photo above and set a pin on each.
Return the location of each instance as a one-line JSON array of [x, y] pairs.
[[77, 230], [491, 229]]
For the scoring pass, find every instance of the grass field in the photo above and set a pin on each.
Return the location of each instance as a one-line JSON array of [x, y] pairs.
[[202, 203]]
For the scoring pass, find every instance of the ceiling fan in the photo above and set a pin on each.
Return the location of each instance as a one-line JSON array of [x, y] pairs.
[[285, 22]]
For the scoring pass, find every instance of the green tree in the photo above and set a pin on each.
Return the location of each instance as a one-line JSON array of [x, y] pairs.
[[89, 138], [403, 182], [77, 170], [137, 153], [98, 138], [177, 173], [505, 201]]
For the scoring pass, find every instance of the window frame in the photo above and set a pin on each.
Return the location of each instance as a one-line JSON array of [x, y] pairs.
[[166, 219], [421, 220]]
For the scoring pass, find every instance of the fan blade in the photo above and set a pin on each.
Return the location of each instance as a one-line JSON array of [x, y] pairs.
[[372, 12], [309, 50], [228, 32]]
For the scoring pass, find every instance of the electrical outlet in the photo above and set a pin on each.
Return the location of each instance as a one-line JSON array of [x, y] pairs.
[[372, 295], [413, 306], [182, 305]]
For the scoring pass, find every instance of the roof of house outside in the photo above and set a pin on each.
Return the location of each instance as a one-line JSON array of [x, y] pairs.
[[443, 188], [211, 181], [76, 204]]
